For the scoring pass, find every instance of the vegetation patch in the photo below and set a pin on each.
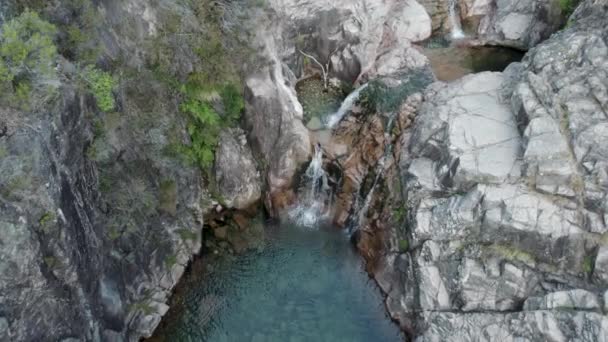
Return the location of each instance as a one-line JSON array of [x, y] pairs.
[[143, 306], [46, 220], [101, 84], [27, 57], [587, 264], [170, 260], [186, 234], [404, 245], [512, 253], [568, 6], [379, 97]]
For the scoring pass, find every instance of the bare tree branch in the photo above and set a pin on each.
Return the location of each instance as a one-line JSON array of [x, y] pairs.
[[324, 69]]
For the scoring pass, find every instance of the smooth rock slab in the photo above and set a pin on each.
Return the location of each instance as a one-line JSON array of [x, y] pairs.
[[465, 126]]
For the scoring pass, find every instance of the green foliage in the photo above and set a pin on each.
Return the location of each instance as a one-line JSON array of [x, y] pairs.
[[404, 245], [46, 220], [233, 102], [588, 264], [80, 44], [203, 128], [513, 253], [568, 6], [170, 260], [114, 233], [378, 97], [204, 122], [27, 51], [15, 186], [102, 85], [51, 261], [143, 306], [400, 213], [186, 234], [215, 78]]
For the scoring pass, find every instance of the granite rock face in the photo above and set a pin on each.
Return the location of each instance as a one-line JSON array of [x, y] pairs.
[[354, 40], [519, 24], [97, 222], [500, 232], [236, 171]]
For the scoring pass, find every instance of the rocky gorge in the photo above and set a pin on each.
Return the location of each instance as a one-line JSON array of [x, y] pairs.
[[479, 203]]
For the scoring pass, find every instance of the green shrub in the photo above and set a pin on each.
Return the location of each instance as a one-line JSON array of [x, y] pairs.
[[512, 253], [588, 264], [404, 245], [170, 260], [46, 218], [214, 81], [568, 6], [233, 102], [102, 85], [204, 122], [27, 52], [203, 128], [186, 234]]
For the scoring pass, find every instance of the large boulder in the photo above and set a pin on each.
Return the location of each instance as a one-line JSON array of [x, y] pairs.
[[236, 173], [519, 24], [274, 122]]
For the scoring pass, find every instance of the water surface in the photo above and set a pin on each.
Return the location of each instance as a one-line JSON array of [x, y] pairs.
[[452, 62], [298, 285]]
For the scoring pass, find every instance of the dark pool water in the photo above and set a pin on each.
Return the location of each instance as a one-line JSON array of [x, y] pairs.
[[298, 285]]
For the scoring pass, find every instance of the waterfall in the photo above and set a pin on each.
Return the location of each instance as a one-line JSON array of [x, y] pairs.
[[348, 103], [314, 195], [457, 32]]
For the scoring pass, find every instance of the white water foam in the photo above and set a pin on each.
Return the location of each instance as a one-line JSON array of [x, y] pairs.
[[348, 103], [457, 32], [314, 196]]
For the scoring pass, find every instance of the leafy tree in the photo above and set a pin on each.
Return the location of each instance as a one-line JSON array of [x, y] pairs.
[[27, 52]]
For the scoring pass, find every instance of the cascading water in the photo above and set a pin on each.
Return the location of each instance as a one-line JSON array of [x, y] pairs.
[[348, 103], [457, 32], [315, 194]]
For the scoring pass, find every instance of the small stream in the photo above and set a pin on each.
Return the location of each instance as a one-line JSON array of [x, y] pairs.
[[298, 285]]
